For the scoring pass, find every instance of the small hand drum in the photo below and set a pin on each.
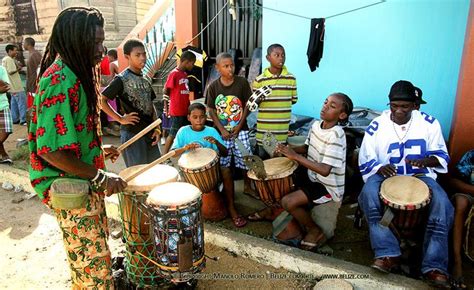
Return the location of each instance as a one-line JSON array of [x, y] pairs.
[[408, 198], [279, 180], [200, 167]]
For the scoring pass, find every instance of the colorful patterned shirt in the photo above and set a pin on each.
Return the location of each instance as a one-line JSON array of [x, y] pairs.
[[60, 121], [274, 113]]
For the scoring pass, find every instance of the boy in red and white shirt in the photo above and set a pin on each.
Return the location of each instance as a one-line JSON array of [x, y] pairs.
[[176, 96]]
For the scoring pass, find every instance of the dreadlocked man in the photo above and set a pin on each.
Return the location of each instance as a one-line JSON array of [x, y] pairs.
[[64, 141]]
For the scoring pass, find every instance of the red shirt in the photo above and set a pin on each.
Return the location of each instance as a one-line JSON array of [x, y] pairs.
[[105, 66], [177, 83]]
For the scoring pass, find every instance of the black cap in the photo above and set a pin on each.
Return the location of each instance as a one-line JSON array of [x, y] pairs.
[[418, 95], [402, 91]]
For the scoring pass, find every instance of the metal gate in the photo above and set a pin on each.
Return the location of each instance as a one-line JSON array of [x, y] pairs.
[[245, 33]]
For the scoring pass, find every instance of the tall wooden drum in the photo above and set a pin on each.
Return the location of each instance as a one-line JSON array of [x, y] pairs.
[[178, 230], [137, 230]]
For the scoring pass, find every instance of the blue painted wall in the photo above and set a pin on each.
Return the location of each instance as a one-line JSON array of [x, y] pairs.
[[366, 51]]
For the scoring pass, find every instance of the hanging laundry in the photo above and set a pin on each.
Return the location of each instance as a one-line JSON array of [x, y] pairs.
[[316, 41]]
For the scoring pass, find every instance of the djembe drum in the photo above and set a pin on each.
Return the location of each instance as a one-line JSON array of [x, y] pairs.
[[137, 230], [200, 167], [407, 198], [278, 183], [177, 230]]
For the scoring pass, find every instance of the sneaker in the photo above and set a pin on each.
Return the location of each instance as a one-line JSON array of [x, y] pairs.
[[24, 124]]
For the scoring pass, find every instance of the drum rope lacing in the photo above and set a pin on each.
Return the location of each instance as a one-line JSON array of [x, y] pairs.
[[395, 129]]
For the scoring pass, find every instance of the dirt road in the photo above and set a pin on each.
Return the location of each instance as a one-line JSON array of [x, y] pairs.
[[33, 256]]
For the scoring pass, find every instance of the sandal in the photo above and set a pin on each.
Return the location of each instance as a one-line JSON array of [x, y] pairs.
[[256, 217], [6, 160], [313, 246], [458, 283], [239, 221]]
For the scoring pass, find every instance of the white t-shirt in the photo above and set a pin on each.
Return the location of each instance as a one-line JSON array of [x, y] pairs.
[[328, 146]]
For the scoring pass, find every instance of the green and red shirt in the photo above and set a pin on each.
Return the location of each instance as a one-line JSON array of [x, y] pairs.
[[61, 120]]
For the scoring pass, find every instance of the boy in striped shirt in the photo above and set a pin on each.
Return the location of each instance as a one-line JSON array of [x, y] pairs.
[[274, 113], [323, 181]]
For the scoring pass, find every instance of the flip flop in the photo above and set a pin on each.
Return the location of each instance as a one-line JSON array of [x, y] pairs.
[[239, 221], [7, 161], [311, 246], [256, 217]]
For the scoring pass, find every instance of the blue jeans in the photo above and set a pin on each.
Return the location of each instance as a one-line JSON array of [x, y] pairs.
[[139, 152], [18, 107], [435, 243]]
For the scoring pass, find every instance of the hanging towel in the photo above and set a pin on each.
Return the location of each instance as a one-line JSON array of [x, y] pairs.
[[316, 41]]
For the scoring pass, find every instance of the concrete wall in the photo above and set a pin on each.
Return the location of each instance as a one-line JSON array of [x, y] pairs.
[[365, 51], [7, 23], [461, 138]]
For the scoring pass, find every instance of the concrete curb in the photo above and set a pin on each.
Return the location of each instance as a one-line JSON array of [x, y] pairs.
[[309, 265]]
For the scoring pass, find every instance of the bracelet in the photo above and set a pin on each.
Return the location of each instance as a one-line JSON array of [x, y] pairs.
[[97, 185]]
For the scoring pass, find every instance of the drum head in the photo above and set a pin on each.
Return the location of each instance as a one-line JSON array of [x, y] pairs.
[[197, 158], [404, 192], [158, 174], [173, 194], [275, 168]]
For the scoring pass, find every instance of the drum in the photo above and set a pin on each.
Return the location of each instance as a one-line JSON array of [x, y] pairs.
[[177, 230], [137, 230], [407, 197], [279, 181], [469, 240], [200, 167]]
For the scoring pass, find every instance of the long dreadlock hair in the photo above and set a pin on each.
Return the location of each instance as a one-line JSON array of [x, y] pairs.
[[73, 39]]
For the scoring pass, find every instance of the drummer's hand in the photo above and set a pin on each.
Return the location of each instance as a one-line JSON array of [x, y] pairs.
[[388, 170], [226, 135], [129, 119], [111, 152], [4, 87], [236, 130], [115, 184], [156, 136], [192, 146], [286, 150], [210, 139], [421, 163]]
